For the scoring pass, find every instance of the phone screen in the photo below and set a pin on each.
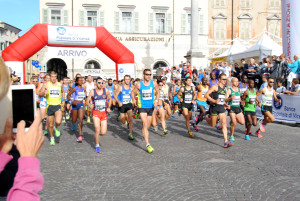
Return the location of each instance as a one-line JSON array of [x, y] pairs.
[[22, 106]]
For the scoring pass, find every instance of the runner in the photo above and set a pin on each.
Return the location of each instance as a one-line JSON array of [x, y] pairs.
[[111, 87], [166, 101], [66, 106], [53, 91], [268, 93], [123, 98], [145, 90], [78, 105], [217, 108], [99, 100], [89, 85], [233, 97], [35, 82], [159, 109], [188, 99], [212, 80], [201, 100], [176, 100], [249, 109]]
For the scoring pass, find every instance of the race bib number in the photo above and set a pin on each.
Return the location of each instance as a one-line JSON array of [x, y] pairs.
[[236, 101], [81, 96], [54, 92], [147, 94], [100, 105], [222, 99], [126, 99], [252, 99], [188, 98], [204, 92]]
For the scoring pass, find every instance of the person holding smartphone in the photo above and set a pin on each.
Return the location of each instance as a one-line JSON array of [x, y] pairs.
[[53, 91]]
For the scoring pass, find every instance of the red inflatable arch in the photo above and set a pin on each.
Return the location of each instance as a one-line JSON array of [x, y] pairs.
[[41, 35]]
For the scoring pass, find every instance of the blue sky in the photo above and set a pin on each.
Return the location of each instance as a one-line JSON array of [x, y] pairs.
[[22, 14]]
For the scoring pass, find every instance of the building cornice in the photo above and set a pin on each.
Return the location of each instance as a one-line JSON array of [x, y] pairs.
[[55, 4], [91, 5]]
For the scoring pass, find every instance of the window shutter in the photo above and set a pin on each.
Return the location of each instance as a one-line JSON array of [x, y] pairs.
[[183, 23], [222, 3], [201, 24], [101, 16], [66, 17], [150, 23], [81, 18], [136, 22], [45, 16], [117, 22], [169, 23]]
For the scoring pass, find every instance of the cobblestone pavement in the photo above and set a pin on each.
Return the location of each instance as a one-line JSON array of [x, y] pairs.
[[180, 168]]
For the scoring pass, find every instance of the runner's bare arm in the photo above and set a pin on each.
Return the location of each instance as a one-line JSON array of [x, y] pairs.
[[118, 90], [70, 93], [244, 96], [262, 91], [209, 92], [179, 93], [227, 98], [194, 95], [63, 93], [275, 97], [108, 97]]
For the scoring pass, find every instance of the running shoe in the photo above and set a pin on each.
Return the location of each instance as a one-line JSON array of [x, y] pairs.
[[67, 116], [196, 118], [195, 127], [88, 120], [191, 134], [97, 150], [247, 133], [63, 120], [155, 128], [118, 118], [232, 138], [52, 142], [247, 137], [262, 127], [176, 111], [165, 132], [130, 136], [79, 139], [228, 144], [108, 115], [57, 132], [74, 127], [44, 120], [173, 116], [45, 132], [258, 134], [126, 122], [150, 149], [219, 128]]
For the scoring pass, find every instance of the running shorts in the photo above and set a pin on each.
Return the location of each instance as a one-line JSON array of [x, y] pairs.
[[149, 111], [235, 110], [125, 108], [217, 109], [102, 115], [51, 109], [249, 113], [265, 108], [78, 106], [202, 103], [188, 106]]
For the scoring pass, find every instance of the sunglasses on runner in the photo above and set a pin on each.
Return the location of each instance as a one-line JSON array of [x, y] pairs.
[[99, 82], [271, 82], [148, 74], [161, 85]]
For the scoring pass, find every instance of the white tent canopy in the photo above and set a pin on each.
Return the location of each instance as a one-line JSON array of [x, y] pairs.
[[264, 47], [235, 48]]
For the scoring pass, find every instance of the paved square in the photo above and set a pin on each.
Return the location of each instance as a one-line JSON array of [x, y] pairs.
[[180, 168]]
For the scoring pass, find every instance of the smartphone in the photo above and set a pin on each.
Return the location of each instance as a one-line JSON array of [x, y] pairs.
[[23, 105]]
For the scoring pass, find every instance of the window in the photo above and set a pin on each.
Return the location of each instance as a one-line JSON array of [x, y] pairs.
[[160, 64], [127, 22], [219, 3], [189, 28], [92, 18], [245, 3], [92, 65], [220, 29], [56, 17], [160, 23], [245, 29], [274, 3], [274, 28]]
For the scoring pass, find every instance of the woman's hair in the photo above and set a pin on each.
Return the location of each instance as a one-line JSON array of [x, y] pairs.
[[4, 79]]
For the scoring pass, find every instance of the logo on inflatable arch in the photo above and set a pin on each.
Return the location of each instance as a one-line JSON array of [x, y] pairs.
[[61, 30], [278, 105], [121, 70]]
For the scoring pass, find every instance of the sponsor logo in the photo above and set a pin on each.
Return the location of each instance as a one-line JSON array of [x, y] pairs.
[[61, 30], [278, 105], [121, 70]]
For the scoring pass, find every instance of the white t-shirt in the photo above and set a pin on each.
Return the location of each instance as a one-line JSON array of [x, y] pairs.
[[168, 76]]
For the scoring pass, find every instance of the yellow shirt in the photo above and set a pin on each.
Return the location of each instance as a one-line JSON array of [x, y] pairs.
[[200, 95], [53, 95]]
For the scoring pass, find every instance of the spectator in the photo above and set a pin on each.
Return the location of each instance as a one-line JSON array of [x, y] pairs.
[[216, 71], [294, 67], [201, 74], [275, 66], [195, 70], [251, 69], [195, 79], [183, 72], [295, 87], [189, 72], [280, 89], [237, 71], [282, 70]]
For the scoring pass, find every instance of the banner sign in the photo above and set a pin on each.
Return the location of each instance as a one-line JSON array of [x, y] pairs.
[[287, 111], [71, 52], [16, 67], [64, 35], [290, 27], [126, 69], [219, 59]]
